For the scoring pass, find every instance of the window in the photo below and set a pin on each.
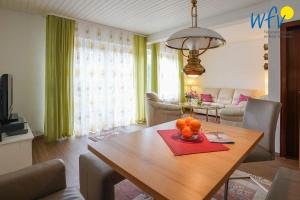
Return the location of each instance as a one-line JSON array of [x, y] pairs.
[[104, 91], [168, 74]]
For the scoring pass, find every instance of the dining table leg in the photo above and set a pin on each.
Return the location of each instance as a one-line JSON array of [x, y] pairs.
[[216, 114], [207, 114], [226, 189]]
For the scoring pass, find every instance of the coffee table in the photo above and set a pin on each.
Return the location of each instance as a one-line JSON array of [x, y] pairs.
[[146, 160], [205, 107]]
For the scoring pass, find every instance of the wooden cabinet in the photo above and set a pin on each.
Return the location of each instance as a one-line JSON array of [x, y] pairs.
[[16, 152]]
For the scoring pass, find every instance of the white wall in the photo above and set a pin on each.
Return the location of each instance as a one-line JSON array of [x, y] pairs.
[[238, 64], [22, 54]]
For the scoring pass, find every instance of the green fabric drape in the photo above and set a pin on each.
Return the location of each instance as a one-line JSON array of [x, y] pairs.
[[154, 67], [58, 78], [140, 61], [181, 77]]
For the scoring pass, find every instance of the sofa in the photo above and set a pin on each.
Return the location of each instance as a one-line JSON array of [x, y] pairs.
[[228, 98], [158, 111]]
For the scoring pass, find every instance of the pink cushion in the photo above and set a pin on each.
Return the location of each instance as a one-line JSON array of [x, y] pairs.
[[242, 98], [206, 97]]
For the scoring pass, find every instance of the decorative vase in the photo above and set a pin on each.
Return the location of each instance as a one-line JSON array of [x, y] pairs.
[[189, 100]]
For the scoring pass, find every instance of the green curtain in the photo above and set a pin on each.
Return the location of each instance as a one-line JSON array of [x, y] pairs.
[[154, 67], [140, 61], [181, 77], [58, 78]]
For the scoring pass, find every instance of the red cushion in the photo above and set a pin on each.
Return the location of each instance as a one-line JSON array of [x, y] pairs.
[[243, 98], [206, 97]]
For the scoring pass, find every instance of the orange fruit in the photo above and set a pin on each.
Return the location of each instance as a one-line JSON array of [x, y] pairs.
[[187, 132], [188, 120], [195, 125], [180, 124]]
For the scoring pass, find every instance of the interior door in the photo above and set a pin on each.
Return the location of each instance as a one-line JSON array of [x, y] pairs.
[[292, 91]]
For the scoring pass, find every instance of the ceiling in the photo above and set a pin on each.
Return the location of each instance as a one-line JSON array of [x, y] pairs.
[[140, 16]]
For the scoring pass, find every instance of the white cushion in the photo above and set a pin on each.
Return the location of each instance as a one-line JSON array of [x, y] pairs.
[[225, 96], [243, 104], [231, 106], [213, 104], [213, 91], [238, 92]]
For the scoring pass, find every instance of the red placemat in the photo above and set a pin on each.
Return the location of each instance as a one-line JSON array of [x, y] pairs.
[[180, 147]]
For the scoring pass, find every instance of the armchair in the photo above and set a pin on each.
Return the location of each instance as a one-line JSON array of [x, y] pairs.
[[158, 112]]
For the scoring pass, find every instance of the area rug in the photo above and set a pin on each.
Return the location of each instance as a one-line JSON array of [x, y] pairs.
[[114, 132], [242, 189]]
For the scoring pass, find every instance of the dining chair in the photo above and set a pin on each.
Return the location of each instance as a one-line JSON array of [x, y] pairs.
[[44, 181], [260, 115], [285, 185]]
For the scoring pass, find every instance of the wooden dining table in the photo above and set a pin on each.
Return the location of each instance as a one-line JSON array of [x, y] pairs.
[[146, 160]]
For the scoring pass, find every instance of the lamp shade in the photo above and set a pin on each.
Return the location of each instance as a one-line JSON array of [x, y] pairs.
[[195, 38]]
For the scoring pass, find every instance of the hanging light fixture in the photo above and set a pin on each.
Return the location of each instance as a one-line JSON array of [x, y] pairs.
[[196, 41]]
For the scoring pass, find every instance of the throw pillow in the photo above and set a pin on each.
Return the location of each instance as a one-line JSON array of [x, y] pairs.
[[242, 98], [206, 97]]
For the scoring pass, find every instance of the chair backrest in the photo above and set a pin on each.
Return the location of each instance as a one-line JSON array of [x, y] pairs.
[[152, 96], [263, 115]]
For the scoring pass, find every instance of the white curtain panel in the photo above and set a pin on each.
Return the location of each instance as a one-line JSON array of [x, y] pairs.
[[168, 74], [104, 89]]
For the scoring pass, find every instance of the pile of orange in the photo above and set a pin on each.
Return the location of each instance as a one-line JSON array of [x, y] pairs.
[[188, 126]]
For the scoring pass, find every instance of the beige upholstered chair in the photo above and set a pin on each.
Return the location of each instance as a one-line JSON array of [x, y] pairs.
[[262, 115], [41, 181], [158, 112], [285, 185], [97, 179]]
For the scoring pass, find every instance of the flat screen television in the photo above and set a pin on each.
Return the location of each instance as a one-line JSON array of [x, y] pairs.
[[6, 97]]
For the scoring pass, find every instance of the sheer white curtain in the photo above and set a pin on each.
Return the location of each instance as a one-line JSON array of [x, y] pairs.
[[168, 74], [104, 91]]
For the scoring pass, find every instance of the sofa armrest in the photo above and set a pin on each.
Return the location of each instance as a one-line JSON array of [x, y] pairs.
[[34, 182], [97, 179], [166, 106]]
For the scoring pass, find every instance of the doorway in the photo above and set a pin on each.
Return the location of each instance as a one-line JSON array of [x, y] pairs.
[[290, 89]]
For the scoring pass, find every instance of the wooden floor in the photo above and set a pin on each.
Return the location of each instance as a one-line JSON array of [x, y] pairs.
[[67, 150], [70, 149]]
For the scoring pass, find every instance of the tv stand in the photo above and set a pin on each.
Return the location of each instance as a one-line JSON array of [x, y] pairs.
[[16, 151]]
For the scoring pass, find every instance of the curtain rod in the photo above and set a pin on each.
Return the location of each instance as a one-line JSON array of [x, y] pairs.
[[90, 22]]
